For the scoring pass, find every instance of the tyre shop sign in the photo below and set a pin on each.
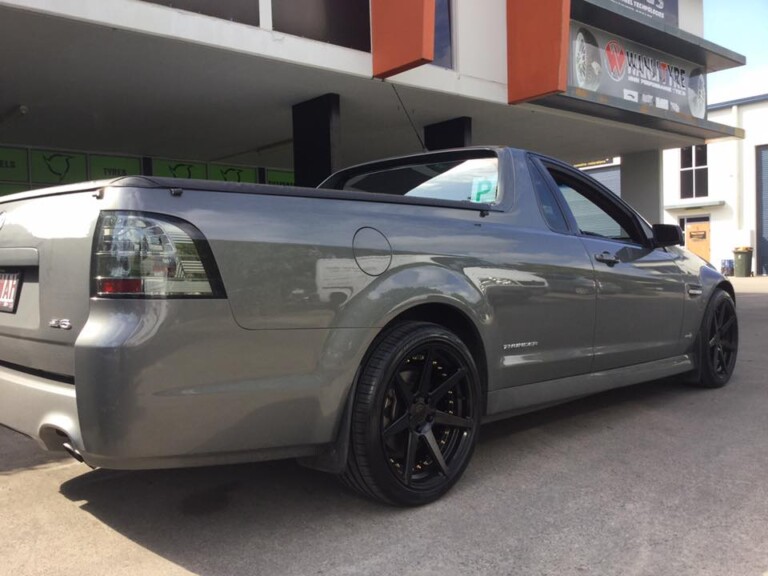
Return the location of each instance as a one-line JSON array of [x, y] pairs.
[[664, 11], [657, 83]]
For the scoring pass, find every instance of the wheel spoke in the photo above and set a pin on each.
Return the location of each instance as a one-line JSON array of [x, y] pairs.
[[437, 394], [404, 389], [426, 373], [410, 457], [397, 426], [720, 363], [728, 323], [452, 420], [434, 449]]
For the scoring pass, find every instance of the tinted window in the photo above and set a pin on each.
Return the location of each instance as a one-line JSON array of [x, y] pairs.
[[547, 202], [245, 11], [590, 218], [341, 22], [443, 35], [595, 213]]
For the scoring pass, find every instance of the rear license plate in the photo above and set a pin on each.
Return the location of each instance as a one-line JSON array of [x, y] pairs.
[[10, 283]]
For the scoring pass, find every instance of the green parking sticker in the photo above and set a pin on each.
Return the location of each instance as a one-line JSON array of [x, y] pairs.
[[178, 169], [114, 166], [231, 173], [14, 166], [52, 167], [483, 190]]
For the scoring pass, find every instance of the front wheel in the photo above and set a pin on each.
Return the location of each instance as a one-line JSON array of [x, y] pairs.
[[718, 342], [416, 416]]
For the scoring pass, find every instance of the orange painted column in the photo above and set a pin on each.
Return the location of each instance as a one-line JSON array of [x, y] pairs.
[[537, 48], [402, 35]]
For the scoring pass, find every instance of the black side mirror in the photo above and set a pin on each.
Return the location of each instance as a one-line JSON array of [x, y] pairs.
[[667, 235]]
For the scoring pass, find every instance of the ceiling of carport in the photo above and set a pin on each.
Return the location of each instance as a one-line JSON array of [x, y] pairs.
[[94, 88]]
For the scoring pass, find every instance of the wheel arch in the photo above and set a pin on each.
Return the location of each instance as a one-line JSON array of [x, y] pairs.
[[453, 319], [727, 287], [450, 317]]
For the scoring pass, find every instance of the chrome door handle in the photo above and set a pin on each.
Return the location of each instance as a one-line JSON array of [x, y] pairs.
[[607, 258]]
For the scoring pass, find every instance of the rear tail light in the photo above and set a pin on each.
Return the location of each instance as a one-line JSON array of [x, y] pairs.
[[152, 256]]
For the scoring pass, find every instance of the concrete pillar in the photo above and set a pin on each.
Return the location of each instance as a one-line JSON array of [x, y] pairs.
[[454, 133], [315, 139], [641, 183]]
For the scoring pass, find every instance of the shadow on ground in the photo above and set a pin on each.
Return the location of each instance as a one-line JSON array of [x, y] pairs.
[[20, 453], [231, 519]]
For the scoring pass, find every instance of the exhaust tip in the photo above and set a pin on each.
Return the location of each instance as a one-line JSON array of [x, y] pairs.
[[72, 451]]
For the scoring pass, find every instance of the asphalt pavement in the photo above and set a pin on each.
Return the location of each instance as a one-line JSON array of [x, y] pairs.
[[656, 479]]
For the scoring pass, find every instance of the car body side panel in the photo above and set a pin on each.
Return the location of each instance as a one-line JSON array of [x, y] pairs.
[[639, 305], [697, 276]]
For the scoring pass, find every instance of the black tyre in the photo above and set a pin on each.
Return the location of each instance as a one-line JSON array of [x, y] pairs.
[[416, 416], [718, 342]]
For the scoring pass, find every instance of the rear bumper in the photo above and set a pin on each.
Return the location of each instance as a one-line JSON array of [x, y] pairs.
[[42, 409], [173, 383]]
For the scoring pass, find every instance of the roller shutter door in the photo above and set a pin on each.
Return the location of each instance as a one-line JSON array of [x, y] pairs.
[[762, 210], [608, 177]]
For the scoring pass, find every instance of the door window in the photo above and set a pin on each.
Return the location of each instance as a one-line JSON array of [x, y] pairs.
[[595, 214]]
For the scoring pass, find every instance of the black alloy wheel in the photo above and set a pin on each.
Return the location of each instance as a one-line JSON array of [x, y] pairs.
[[719, 341], [416, 416]]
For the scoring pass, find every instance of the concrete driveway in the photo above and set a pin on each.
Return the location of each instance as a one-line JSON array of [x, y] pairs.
[[655, 479]]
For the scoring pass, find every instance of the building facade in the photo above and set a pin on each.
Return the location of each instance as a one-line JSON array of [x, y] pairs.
[[719, 191], [286, 91]]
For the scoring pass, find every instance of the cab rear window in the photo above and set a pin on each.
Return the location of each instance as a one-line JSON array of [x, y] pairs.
[[467, 180]]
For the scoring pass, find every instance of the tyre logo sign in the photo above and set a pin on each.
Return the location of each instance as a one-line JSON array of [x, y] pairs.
[[616, 59]]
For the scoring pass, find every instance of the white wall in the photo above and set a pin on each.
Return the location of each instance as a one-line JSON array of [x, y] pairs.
[[691, 16], [641, 183], [480, 39], [479, 54]]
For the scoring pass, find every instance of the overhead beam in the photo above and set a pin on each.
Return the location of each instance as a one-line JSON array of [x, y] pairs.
[[454, 133]]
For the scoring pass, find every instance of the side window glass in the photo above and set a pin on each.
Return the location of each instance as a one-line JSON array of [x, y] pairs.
[[594, 214], [474, 180], [591, 219], [547, 202]]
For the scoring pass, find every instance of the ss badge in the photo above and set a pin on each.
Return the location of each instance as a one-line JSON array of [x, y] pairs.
[[61, 324]]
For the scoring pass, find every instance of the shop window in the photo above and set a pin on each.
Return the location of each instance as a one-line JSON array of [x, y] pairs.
[[244, 11], [443, 34], [340, 22], [694, 174]]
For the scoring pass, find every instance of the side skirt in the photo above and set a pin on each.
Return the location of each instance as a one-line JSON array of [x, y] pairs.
[[520, 399]]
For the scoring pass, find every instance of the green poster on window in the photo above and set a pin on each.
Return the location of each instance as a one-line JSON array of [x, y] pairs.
[[178, 169], [280, 177], [14, 165], [12, 188], [51, 167], [231, 173], [114, 166]]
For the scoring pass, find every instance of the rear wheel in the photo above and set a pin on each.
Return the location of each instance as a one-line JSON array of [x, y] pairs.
[[416, 416], [718, 342]]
